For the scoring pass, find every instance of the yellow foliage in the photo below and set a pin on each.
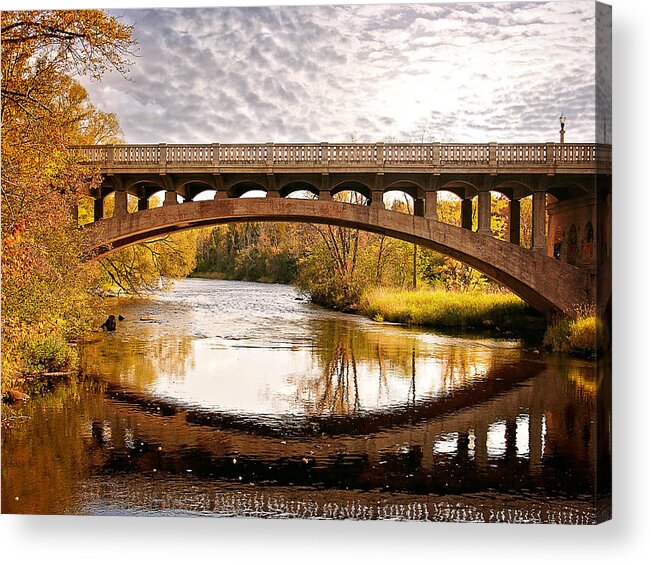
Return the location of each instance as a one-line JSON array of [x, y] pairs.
[[46, 292]]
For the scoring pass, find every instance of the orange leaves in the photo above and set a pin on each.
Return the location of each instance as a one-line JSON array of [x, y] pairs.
[[85, 41], [44, 290]]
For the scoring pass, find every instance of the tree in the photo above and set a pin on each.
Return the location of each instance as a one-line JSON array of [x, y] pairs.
[[45, 289]]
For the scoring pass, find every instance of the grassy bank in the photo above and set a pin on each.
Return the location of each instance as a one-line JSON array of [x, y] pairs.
[[577, 336], [451, 310]]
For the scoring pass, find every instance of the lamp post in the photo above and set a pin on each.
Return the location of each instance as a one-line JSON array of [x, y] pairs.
[[562, 131]]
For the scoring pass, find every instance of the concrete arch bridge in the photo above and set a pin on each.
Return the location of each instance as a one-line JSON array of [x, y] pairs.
[[569, 184]]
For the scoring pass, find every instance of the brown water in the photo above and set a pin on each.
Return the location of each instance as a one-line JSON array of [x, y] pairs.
[[232, 398]]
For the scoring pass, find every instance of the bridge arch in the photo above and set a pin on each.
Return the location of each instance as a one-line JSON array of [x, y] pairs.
[[238, 189], [546, 284], [513, 189], [409, 187], [293, 186], [132, 184], [352, 186]]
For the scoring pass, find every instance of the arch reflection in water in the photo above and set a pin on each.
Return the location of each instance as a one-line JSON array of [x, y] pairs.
[[295, 361], [454, 428]]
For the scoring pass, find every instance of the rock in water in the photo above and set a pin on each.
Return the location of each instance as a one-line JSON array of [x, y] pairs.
[[12, 396], [120, 317], [110, 324]]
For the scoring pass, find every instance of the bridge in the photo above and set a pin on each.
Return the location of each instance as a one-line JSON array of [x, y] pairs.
[[563, 180]]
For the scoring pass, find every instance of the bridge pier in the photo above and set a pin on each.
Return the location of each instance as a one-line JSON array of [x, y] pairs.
[[98, 209], [431, 205], [419, 207], [120, 203], [514, 221], [170, 198], [483, 213], [325, 195], [481, 447], [466, 213], [535, 440], [510, 438], [539, 221], [377, 200], [143, 203]]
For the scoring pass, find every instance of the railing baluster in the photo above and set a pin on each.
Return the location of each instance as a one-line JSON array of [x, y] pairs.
[[452, 155]]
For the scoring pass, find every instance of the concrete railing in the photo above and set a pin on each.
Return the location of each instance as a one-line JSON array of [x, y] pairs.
[[427, 154]]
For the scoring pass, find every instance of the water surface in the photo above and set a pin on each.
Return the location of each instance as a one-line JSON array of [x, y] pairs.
[[233, 398]]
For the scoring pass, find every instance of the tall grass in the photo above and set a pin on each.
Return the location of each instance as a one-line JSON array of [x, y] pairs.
[[449, 309], [579, 335]]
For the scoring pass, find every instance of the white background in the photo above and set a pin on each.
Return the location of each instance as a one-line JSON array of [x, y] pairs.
[[627, 538]]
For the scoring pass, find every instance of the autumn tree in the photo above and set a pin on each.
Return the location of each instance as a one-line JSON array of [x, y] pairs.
[[46, 295]]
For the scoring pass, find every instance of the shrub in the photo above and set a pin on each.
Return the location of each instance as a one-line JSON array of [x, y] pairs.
[[48, 354], [583, 334], [574, 335], [557, 335]]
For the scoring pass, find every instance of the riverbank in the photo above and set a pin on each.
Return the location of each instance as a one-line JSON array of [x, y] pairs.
[[499, 313], [503, 314], [226, 276]]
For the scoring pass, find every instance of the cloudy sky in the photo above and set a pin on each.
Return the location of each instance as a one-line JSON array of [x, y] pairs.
[[404, 72]]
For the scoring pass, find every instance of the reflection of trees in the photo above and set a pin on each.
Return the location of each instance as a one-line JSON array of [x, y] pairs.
[[51, 445], [138, 362], [389, 353], [338, 390]]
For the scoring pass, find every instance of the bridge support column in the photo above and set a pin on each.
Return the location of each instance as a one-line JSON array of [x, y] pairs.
[[466, 213], [120, 203], [481, 448], [377, 199], [483, 213], [170, 198], [539, 220], [419, 207], [273, 194], [431, 205], [510, 438], [325, 195], [98, 209], [143, 203], [535, 440], [514, 222]]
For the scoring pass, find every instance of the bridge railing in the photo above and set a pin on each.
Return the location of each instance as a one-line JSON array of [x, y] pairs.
[[430, 154]]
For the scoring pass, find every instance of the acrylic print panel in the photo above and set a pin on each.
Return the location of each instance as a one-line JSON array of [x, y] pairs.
[[345, 262]]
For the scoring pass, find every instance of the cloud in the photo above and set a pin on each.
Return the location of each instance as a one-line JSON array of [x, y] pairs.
[[463, 72]]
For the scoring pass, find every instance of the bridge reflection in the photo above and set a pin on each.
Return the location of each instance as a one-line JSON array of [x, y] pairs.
[[535, 440], [506, 438]]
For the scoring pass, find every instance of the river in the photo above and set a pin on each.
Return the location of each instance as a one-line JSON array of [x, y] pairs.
[[229, 398]]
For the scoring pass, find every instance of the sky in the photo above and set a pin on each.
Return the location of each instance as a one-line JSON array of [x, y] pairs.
[[404, 72]]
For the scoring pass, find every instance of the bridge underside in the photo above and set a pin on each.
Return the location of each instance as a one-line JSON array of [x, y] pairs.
[[546, 284]]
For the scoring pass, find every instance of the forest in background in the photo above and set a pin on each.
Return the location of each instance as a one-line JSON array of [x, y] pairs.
[[335, 266], [51, 297]]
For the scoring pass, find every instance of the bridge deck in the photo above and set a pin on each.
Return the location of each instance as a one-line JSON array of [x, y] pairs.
[[480, 158]]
